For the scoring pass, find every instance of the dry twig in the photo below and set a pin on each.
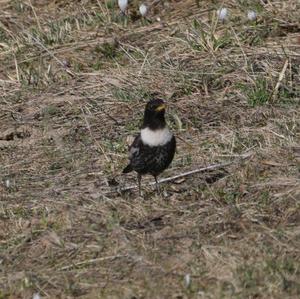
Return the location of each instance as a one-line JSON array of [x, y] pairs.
[[188, 173]]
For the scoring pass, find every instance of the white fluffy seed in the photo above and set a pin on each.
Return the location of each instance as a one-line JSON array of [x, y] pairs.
[[187, 280], [143, 9], [251, 15], [36, 296], [123, 5], [222, 13], [7, 183]]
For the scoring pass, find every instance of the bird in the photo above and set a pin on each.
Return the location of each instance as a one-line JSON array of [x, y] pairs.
[[153, 149]]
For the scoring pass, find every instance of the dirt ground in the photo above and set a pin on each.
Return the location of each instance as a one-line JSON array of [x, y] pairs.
[[74, 80]]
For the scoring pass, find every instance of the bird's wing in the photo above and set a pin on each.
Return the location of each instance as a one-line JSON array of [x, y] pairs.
[[134, 149], [137, 154], [134, 153]]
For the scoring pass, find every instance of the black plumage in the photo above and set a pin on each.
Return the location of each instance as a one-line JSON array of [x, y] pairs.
[[153, 149]]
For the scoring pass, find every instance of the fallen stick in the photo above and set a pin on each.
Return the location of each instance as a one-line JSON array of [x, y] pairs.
[[39, 43], [274, 94], [91, 261], [188, 173]]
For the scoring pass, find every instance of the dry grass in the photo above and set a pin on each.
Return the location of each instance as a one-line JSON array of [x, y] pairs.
[[74, 79]]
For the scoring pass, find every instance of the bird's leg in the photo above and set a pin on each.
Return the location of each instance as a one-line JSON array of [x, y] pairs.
[[139, 177], [156, 184]]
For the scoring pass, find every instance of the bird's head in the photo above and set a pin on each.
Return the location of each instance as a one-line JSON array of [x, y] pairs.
[[154, 116], [156, 106]]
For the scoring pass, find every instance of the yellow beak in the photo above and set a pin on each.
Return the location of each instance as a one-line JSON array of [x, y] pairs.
[[161, 107]]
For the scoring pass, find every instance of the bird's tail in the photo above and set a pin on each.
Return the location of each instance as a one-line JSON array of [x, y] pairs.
[[127, 169]]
